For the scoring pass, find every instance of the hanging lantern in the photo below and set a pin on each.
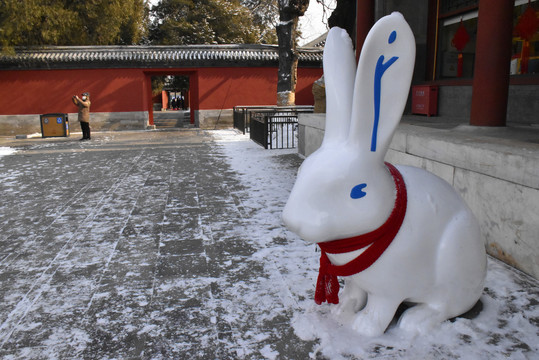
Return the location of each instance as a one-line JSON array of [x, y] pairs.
[[526, 28], [459, 41]]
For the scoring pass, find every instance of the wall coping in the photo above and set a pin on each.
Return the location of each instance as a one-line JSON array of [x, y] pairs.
[[153, 56]]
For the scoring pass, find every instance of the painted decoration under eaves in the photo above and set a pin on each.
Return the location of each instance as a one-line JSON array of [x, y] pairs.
[[397, 234]]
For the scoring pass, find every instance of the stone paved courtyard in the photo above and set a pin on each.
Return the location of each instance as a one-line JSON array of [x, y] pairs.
[[169, 245]]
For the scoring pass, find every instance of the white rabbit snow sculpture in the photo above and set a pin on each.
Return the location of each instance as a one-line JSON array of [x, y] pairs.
[[397, 234]]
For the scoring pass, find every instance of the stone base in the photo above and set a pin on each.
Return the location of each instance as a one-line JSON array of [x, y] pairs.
[[214, 119], [99, 121], [522, 105]]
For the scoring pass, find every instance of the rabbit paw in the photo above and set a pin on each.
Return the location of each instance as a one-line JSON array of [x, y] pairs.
[[420, 319], [352, 299], [375, 317], [366, 324]]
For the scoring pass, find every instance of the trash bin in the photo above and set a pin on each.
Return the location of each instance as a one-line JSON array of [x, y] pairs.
[[54, 125]]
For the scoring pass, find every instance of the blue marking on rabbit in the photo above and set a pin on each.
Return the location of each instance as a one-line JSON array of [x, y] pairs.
[[392, 37], [381, 67], [358, 192]]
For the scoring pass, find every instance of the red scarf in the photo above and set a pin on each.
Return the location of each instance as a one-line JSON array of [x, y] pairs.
[[327, 285]]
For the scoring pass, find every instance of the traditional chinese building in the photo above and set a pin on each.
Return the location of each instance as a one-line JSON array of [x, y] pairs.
[[482, 56], [118, 78]]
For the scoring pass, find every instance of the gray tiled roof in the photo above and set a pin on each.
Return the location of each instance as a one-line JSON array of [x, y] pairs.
[[319, 42], [162, 56]]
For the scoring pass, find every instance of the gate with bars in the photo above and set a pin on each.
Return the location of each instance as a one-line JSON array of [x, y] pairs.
[[271, 127]]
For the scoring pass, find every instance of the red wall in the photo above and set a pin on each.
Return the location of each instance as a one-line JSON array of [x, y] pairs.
[[304, 87], [46, 91], [121, 90], [224, 88]]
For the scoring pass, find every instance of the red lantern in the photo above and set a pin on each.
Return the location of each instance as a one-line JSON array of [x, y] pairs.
[[459, 41], [526, 28]]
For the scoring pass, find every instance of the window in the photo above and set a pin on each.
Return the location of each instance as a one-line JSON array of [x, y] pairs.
[[525, 49], [456, 59], [457, 32]]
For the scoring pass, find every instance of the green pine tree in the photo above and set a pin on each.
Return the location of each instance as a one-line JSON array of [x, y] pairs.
[[68, 22], [181, 22]]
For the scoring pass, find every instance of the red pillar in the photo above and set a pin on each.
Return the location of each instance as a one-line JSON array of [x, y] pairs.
[[364, 22], [147, 90], [194, 104], [492, 58], [164, 100]]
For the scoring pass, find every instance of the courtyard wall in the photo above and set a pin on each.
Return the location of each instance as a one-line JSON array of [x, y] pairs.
[[121, 98]]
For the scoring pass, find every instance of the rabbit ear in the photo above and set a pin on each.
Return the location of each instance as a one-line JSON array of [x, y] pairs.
[[382, 84], [339, 69]]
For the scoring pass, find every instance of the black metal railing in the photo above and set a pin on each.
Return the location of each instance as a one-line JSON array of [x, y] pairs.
[[259, 131], [275, 127], [282, 131], [240, 118], [243, 114]]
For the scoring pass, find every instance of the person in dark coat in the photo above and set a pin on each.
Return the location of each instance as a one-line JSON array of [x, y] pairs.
[[84, 114]]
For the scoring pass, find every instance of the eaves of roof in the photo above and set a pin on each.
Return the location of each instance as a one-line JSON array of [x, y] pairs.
[[156, 56], [319, 42]]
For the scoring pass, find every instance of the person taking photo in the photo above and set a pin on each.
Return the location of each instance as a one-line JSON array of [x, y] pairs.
[[84, 113]]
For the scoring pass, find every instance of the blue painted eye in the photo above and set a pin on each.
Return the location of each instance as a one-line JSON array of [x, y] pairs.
[[392, 37], [357, 191]]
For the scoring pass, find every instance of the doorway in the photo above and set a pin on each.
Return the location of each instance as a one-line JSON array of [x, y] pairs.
[[163, 84], [171, 101]]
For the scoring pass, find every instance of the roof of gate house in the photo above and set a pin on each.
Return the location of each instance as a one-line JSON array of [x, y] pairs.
[[156, 56], [319, 42]]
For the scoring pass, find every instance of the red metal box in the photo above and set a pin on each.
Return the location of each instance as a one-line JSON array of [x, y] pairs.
[[425, 100]]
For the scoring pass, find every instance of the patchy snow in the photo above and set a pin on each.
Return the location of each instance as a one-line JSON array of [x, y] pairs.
[[6, 151], [284, 23], [163, 251], [506, 327], [286, 98], [34, 135]]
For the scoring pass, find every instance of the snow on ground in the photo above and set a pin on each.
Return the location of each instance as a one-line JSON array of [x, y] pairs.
[[162, 245], [6, 151], [507, 326]]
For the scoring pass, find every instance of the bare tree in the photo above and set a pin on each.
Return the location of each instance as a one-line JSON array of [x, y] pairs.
[[289, 12]]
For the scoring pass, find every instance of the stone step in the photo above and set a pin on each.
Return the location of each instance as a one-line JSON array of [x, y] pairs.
[[172, 119]]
